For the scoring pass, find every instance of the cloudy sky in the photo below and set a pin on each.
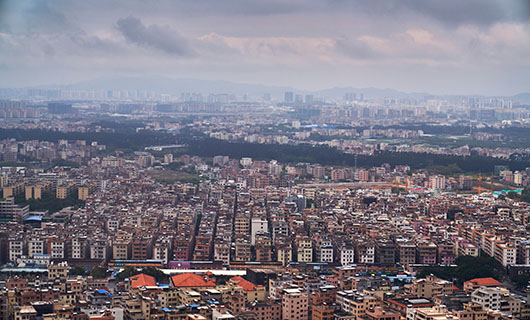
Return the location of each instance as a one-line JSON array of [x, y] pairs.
[[439, 46]]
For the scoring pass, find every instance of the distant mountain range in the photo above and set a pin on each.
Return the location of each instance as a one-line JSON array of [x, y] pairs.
[[522, 97], [176, 86]]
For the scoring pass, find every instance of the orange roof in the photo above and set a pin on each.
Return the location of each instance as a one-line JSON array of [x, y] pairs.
[[142, 280], [191, 280], [243, 283], [484, 281]]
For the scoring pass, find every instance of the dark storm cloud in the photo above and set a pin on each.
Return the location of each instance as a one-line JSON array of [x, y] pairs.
[[153, 36]]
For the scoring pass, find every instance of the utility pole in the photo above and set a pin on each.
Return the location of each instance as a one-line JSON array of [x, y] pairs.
[[479, 183], [491, 183]]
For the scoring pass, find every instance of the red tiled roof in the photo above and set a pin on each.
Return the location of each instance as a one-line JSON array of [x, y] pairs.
[[484, 281], [142, 280], [191, 280], [246, 285]]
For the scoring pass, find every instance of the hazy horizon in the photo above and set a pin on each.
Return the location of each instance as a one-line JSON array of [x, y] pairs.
[[450, 47]]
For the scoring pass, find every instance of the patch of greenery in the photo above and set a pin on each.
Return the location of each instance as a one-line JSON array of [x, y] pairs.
[[127, 140], [170, 176], [208, 147], [99, 273], [77, 271], [13, 164], [49, 202], [521, 281], [468, 267], [177, 165], [448, 170], [398, 190], [524, 196], [128, 272]]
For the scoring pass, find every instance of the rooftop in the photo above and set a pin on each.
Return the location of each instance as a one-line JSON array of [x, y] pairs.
[[142, 280], [191, 280]]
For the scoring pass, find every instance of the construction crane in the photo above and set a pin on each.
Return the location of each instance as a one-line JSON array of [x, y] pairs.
[[479, 179], [399, 185]]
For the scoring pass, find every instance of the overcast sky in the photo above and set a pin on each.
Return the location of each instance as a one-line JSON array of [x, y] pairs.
[[438, 46]]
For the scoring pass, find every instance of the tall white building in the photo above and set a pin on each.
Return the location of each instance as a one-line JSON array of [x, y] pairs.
[[35, 247], [246, 162], [347, 256], [56, 248], [498, 299], [16, 249], [437, 182], [258, 225], [326, 253]]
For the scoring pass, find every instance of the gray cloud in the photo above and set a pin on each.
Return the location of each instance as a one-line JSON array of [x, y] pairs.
[[43, 17], [307, 42], [33, 17], [83, 43], [153, 36], [355, 49], [246, 7], [478, 12], [447, 12]]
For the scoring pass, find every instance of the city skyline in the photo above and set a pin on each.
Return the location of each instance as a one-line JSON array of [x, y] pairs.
[[265, 160], [472, 47]]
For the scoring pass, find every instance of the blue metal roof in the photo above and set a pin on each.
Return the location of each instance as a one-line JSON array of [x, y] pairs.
[[33, 218]]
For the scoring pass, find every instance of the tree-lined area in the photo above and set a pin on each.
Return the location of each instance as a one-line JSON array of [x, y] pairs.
[[49, 202], [130, 140], [324, 155], [467, 268]]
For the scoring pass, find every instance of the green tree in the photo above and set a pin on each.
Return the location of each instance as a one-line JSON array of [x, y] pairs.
[[521, 281], [77, 271], [397, 190], [468, 268], [99, 272], [512, 195], [128, 272]]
